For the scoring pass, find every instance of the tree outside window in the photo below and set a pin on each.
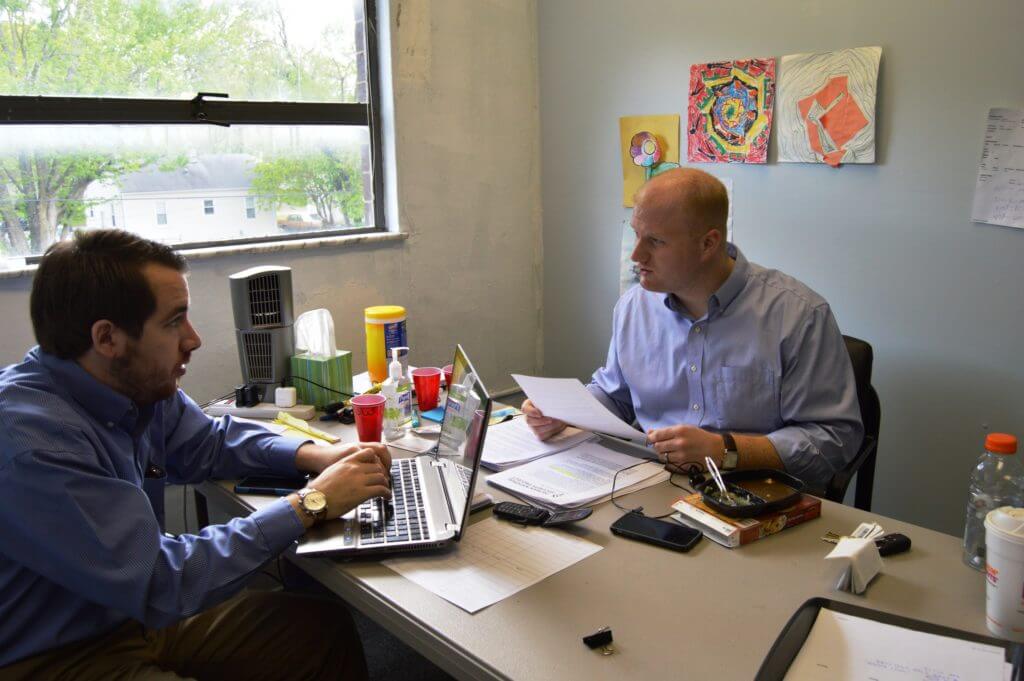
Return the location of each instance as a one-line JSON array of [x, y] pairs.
[[53, 176]]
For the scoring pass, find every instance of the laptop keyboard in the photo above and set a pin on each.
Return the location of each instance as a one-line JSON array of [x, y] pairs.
[[466, 474], [400, 519]]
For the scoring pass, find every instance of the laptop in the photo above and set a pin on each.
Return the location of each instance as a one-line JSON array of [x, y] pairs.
[[431, 492]]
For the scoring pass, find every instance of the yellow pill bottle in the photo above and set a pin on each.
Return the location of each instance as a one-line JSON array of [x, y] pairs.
[[385, 329]]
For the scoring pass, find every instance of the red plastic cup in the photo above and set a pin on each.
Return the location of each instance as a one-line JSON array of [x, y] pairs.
[[428, 383], [448, 369], [369, 413]]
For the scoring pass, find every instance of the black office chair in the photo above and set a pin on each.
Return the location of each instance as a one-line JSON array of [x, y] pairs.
[[863, 465]]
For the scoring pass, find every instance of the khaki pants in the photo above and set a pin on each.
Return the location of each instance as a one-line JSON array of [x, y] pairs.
[[256, 635]]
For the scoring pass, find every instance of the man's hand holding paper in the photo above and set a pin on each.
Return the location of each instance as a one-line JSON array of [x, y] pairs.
[[555, 402]]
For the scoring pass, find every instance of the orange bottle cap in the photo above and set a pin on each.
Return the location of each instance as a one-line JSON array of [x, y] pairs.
[[1001, 443]]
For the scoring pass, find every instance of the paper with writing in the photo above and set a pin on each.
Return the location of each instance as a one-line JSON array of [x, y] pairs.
[[495, 560], [578, 477], [842, 646], [513, 443], [999, 193]]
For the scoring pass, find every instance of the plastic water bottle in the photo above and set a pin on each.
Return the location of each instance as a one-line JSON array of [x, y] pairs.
[[997, 480]]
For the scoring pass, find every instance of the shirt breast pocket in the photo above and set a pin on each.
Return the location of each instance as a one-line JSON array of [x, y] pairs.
[[746, 399]]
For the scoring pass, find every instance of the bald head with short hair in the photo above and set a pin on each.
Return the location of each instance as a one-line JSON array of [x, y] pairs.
[[687, 197]]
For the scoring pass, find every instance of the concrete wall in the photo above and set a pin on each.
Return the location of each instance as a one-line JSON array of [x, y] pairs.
[[465, 162], [890, 245]]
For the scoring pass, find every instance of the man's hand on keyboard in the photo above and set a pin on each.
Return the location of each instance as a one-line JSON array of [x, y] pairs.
[[316, 458], [355, 478]]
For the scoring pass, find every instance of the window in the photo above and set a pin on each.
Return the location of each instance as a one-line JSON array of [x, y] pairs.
[[115, 99]]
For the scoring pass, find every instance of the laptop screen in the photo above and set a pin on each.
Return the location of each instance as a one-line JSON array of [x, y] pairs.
[[463, 429]]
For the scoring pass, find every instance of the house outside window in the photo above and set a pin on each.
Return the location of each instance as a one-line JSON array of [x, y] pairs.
[[301, 106]]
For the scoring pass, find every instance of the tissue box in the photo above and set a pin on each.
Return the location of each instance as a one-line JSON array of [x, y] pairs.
[[313, 374]]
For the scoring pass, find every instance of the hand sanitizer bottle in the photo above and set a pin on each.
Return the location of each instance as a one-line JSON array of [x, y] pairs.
[[398, 408]]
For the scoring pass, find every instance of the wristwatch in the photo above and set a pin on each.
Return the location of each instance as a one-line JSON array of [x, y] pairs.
[[313, 503], [731, 455]]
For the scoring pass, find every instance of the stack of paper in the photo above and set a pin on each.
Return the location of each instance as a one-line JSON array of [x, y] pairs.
[[513, 443], [578, 477]]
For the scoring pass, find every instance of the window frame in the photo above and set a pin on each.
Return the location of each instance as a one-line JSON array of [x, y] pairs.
[[58, 110]]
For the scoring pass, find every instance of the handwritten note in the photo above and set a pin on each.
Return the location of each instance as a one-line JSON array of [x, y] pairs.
[[495, 560], [999, 194], [842, 646]]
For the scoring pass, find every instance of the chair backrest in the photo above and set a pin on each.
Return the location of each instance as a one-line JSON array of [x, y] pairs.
[[863, 465]]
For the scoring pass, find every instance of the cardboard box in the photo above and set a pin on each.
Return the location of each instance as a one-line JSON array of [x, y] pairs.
[[733, 532], [320, 381]]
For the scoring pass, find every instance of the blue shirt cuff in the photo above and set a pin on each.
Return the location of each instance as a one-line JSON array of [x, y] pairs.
[[279, 525], [282, 455]]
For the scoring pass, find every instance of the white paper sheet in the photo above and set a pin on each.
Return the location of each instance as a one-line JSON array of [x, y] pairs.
[[999, 193], [842, 647], [568, 400], [493, 561], [513, 443], [580, 476]]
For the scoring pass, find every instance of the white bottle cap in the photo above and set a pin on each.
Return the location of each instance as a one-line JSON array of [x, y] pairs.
[[285, 397]]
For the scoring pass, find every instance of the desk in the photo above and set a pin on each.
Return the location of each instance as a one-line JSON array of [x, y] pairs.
[[712, 613]]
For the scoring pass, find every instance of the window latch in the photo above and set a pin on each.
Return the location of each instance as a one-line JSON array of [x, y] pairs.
[[199, 110]]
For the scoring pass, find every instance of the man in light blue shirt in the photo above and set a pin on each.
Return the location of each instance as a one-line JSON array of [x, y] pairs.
[[712, 354], [92, 428]]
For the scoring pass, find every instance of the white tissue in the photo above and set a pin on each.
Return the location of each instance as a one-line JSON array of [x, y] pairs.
[[314, 333], [862, 563]]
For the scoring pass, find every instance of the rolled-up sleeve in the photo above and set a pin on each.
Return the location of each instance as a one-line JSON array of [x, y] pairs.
[[818, 402], [199, 447]]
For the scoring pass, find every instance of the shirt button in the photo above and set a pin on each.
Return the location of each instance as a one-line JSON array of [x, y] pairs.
[[693, 368], [696, 329], [696, 407], [110, 424]]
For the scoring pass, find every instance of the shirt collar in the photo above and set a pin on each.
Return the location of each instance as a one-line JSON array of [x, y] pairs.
[[102, 402], [732, 286], [729, 289]]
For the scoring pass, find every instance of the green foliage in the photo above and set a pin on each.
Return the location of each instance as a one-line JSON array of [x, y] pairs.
[[330, 180], [155, 48]]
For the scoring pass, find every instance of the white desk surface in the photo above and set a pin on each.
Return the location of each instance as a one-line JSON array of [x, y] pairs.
[[712, 613]]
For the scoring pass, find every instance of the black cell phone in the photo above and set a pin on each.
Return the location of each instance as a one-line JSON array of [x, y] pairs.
[[520, 513], [531, 515], [265, 484], [658, 532]]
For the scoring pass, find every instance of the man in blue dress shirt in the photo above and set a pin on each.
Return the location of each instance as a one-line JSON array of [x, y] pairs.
[[715, 356], [92, 427]]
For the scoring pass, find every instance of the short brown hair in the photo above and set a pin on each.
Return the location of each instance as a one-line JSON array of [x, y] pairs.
[[96, 275]]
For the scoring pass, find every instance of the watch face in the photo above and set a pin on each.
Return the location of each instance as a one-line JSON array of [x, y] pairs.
[[314, 501]]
